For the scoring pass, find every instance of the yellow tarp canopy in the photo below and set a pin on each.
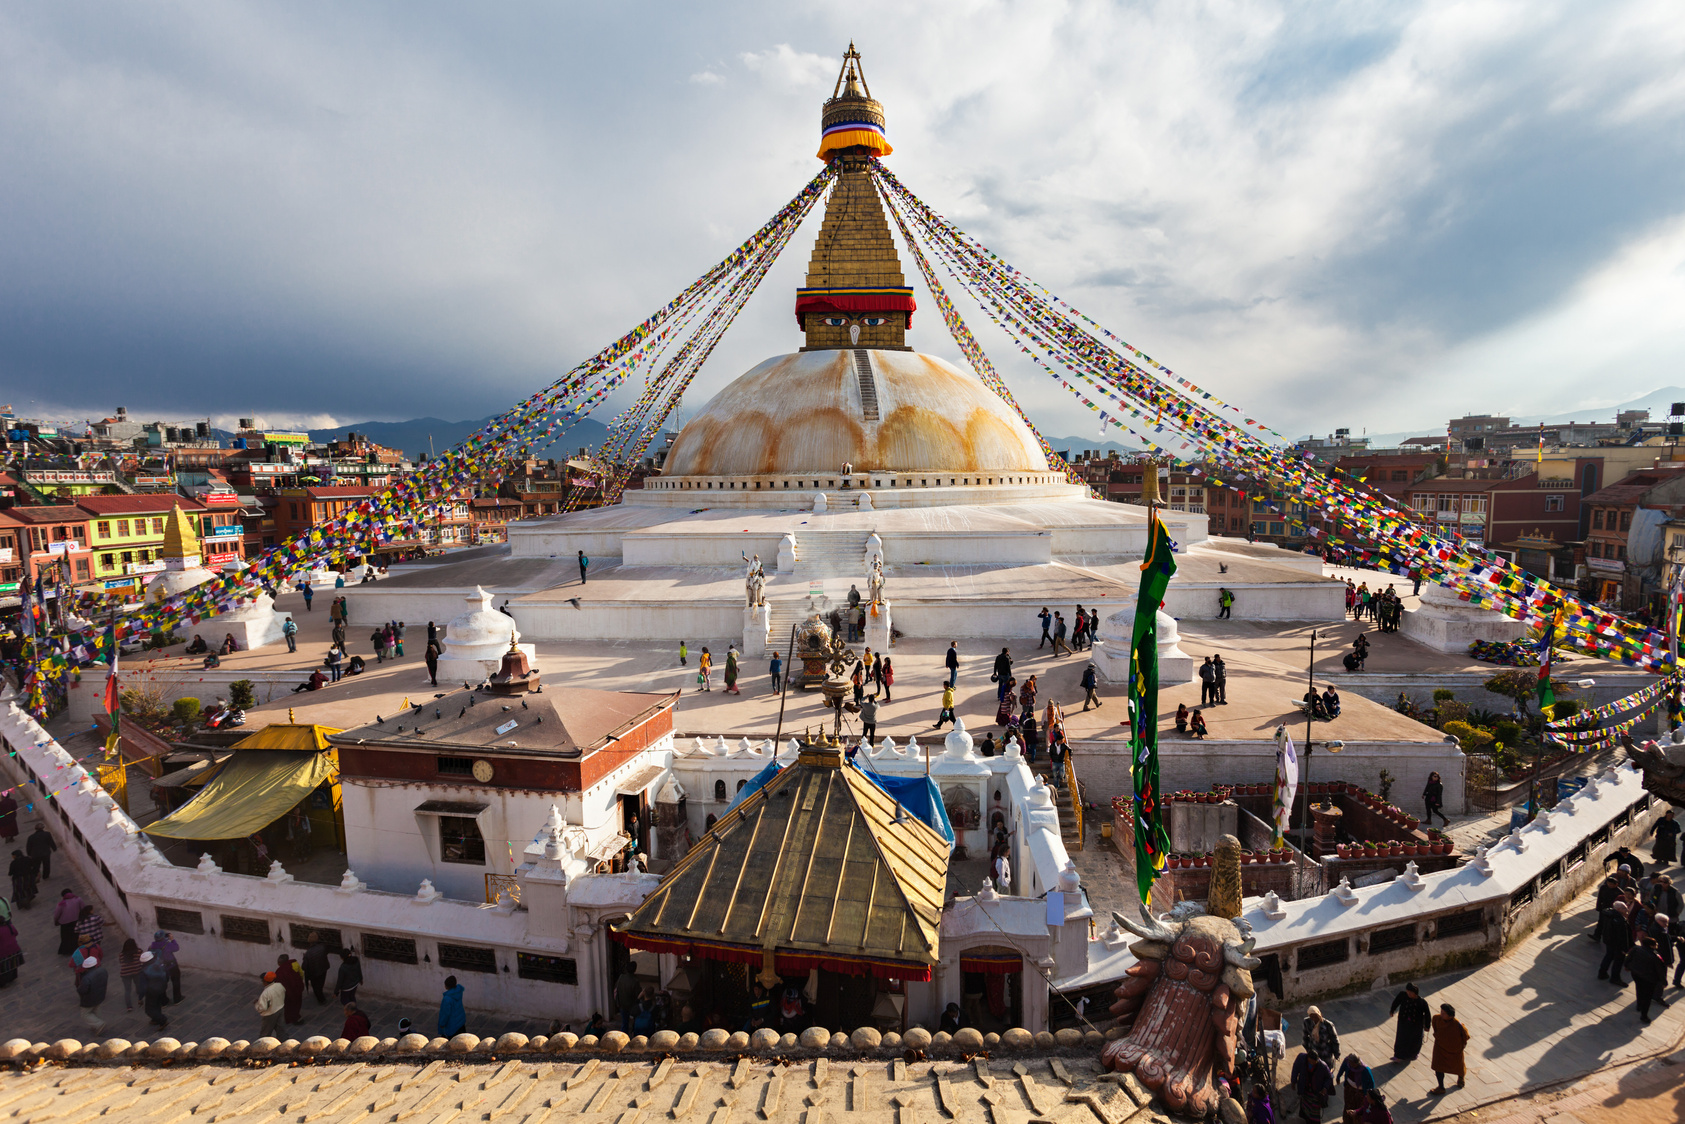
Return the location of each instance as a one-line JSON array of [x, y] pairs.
[[255, 788], [288, 735]]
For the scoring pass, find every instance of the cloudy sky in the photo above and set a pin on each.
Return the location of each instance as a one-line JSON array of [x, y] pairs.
[[1365, 214]]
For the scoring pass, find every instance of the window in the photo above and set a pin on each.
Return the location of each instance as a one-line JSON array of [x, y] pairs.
[[1320, 955], [82, 573], [1553, 503], [1400, 475], [144, 555], [1422, 501], [1597, 519], [1475, 504], [1626, 520], [107, 561], [158, 526], [292, 509], [395, 950], [1456, 924], [103, 528], [301, 936], [128, 557], [1386, 940], [1596, 549], [1622, 551], [252, 930], [740, 784], [551, 969], [456, 766], [467, 958], [122, 528], [184, 921], [460, 841], [719, 791]]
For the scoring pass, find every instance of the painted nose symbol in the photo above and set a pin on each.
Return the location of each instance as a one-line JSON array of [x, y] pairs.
[[854, 334]]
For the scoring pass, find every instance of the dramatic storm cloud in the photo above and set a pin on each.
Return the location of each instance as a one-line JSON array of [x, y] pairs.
[[1335, 214]]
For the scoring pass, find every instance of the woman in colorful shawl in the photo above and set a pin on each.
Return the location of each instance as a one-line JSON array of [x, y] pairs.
[[1356, 1082]]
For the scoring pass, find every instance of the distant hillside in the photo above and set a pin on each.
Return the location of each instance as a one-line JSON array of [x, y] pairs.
[[1075, 445], [418, 436]]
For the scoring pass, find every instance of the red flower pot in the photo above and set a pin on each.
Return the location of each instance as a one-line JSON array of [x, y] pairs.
[[1174, 862]]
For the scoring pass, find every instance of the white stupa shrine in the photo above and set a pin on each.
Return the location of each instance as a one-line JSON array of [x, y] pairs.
[[816, 464]]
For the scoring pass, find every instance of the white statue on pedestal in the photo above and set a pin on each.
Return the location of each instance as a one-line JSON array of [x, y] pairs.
[[874, 581], [754, 583]]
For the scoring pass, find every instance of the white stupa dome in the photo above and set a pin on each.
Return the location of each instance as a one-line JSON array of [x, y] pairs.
[[481, 633]]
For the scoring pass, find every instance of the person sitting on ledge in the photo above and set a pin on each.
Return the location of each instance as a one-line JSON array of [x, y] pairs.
[[211, 660], [1331, 701], [229, 644], [1313, 704], [355, 667], [314, 683], [197, 645]]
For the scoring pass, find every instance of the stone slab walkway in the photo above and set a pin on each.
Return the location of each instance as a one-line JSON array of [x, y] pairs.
[[1537, 1017]]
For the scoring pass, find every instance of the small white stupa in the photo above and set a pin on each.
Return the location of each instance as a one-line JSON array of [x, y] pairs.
[[476, 640], [253, 622]]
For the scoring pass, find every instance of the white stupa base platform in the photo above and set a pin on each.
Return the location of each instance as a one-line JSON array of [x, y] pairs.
[[1447, 624]]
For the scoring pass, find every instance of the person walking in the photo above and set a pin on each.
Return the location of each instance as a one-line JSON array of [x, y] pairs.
[[164, 947], [1666, 832], [1220, 680], [1617, 938], [1091, 685], [378, 639], [868, 717], [584, 565], [453, 1014], [289, 631], [1003, 673], [128, 970], [90, 993], [1225, 603], [432, 632], [432, 658], [1046, 619], [398, 640], [1357, 1081], [1433, 798], [684, 652], [952, 662], [349, 978], [291, 980], [1665, 898], [731, 670], [1313, 1081], [90, 926], [271, 1005], [1207, 682], [1649, 975], [65, 915], [704, 665], [1321, 1037], [1059, 635], [40, 847], [335, 655], [776, 669], [1414, 1017], [309, 594], [888, 677], [315, 965], [1450, 1039], [154, 983], [1079, 629], [946, 714]]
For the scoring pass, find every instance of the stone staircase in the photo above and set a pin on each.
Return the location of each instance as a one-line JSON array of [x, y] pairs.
[[868, 385], [831, 560]]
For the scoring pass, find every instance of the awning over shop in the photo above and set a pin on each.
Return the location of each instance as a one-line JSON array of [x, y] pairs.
[[304, 736], [992, 960], [640, 780], [255, 788]]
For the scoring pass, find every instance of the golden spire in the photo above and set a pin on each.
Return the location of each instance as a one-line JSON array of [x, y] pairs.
[[181, 541]]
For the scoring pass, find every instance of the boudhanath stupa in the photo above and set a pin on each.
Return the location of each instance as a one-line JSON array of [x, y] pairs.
[[853, 449]]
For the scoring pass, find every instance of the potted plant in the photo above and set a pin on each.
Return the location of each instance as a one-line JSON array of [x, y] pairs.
[[1343, 850], [1410, 849], [1173, 861]]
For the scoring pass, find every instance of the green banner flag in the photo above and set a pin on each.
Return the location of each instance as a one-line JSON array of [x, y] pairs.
[[1151, 842]]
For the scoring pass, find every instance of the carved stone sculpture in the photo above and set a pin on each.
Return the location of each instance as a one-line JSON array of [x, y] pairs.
[[1180, 1007], [874, 582], [1223, 899], [1663, 764]]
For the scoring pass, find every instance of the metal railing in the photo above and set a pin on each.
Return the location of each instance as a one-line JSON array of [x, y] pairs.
[[497, 883], [1076, 794]]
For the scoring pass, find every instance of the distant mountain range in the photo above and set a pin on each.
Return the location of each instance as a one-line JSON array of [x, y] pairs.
[[419, 437]]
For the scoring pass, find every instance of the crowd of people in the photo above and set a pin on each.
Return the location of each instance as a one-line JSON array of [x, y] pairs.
[[1638, 923], [1383, 606]]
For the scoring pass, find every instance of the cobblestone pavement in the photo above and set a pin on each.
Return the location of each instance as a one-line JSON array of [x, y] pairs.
[[538, 1089], [1537, 1017], [1651, 1092]]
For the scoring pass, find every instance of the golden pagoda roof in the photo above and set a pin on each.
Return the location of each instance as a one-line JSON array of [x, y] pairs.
[[180, 539], [814, 867]]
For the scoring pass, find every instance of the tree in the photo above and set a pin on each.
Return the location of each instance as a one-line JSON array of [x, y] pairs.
[[1521, 685]]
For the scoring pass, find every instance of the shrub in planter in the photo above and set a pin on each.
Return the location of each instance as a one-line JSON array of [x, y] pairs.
[[242, 694], [185, 711]]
